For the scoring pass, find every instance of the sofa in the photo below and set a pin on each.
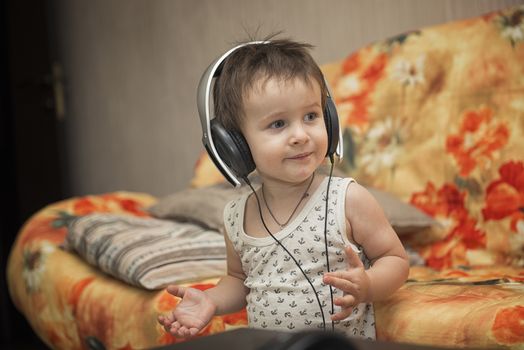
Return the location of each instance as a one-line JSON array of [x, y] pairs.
[[433, 125]]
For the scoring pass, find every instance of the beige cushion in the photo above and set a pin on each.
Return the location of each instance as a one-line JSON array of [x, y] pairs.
[[205, 206]]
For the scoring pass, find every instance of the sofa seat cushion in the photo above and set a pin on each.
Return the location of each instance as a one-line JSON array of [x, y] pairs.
[[462, 307]]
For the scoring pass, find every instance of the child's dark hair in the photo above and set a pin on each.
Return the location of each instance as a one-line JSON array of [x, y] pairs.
[[243, 69]]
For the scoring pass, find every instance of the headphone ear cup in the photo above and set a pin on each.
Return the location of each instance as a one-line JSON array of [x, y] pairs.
[[332, 125], [232, 147]]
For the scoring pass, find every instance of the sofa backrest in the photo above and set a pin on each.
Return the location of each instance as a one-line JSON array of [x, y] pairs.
[[436, 116]]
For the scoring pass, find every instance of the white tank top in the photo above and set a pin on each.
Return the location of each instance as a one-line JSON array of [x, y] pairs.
[[279, 296]]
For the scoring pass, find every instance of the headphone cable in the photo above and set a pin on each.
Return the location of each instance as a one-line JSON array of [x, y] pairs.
[[325, 238], [287, 251]]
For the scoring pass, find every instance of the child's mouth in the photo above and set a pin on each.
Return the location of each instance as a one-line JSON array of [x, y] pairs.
[[301, 156]]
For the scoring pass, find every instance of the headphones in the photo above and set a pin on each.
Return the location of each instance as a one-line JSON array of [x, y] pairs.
[[228, 149]]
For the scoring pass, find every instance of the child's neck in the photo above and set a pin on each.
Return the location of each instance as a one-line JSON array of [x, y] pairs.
[[282, 201], [278, 191]]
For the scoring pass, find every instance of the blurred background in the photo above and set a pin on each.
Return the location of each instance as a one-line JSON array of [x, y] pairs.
[[99, 96]]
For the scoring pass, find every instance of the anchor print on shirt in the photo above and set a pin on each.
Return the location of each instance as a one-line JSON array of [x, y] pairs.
[[281, 305]]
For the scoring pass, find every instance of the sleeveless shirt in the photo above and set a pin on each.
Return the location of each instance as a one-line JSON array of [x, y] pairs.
[[280, 297]]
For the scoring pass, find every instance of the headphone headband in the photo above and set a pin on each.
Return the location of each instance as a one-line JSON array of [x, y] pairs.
[[204, 111]]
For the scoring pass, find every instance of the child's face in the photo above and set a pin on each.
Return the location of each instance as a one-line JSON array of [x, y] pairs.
[[284, 127]]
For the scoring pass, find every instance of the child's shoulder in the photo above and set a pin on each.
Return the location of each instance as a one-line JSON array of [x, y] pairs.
[[343, 182], [356, 191], [239, 198], [360, 201]]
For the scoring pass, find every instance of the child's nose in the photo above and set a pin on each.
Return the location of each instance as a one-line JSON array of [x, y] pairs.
[[299, 134]]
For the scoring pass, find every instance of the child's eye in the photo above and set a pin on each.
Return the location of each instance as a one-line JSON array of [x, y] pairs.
[[277, 124], [310, 116]]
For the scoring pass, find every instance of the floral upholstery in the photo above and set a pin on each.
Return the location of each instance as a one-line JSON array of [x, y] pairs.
[[436, 117], [69, 303]]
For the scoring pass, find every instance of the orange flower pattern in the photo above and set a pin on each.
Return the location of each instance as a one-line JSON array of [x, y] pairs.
[[505, 195], [477, 139], [355, 88], [508, 327], [109, 202], [447, 205]]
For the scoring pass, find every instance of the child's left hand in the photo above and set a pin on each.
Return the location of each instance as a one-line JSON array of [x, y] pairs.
[[353, 282]]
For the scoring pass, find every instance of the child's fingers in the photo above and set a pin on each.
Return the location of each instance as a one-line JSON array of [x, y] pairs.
[[341, 280], [174, 328], [160, 319], [347, 301], [177, 291], [183, 332], [164, 322], [342, 314], [353, 260]]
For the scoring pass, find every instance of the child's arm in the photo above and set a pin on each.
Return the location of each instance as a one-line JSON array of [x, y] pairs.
[[197, 307], [369, 228], [229, 295]]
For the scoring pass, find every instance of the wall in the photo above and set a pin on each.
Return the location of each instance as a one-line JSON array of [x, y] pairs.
[[132, 68]]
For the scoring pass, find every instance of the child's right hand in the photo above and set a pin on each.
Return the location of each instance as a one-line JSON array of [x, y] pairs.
[[192, 314]]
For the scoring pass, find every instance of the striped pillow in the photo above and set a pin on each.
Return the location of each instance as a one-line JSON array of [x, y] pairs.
[[146, 252]]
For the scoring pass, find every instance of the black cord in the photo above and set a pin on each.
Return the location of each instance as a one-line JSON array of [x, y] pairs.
[[291, 255], [325, 238]]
